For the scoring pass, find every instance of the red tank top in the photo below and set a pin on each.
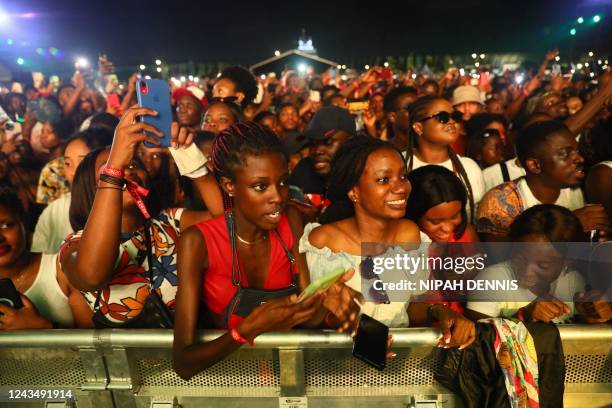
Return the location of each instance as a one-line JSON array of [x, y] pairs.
[[218, 288]]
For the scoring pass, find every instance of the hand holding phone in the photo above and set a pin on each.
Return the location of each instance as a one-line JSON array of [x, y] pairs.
[[154, 94], [371, 342], [321, 284], [9, 295]]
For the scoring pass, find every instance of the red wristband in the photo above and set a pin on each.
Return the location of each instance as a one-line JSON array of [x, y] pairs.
[[238, 338], [328, 320], [112, 171]]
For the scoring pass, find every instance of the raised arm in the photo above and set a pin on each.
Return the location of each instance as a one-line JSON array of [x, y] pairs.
[[89, 262]]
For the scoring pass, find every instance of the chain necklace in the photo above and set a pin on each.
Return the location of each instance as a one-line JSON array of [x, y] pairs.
[[245, 242]]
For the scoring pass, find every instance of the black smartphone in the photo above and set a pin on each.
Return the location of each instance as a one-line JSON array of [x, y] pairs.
[[371, 342], [9, 295], [297, 196]]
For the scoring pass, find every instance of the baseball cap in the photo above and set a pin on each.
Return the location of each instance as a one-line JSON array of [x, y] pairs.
[[328, 121], [294, 142], [466, 93]]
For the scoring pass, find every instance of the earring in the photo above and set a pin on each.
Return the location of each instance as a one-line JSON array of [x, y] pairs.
[[230, 194]]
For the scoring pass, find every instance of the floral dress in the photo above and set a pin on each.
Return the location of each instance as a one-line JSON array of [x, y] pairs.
[[125, 294]]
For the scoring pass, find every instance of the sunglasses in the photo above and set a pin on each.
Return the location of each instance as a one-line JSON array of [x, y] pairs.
[[444, 117]]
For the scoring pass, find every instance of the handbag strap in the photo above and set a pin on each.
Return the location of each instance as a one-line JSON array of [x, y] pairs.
[[504, 170], [231, 230]]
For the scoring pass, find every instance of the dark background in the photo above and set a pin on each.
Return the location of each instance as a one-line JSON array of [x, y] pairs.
[[134, 32]]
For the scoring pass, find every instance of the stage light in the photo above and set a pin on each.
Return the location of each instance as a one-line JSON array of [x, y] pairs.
[[81, 62], [20, 61], [344, 67], [580, 20], [4, 17], [276, 53], [386, 64], [190, 77], [157, 62], [54, 51], [147, 76], [482, 56], [183, 79], [477, 64], [557, 58], [451, 62], [592, 74], [367, 67], [196, 80], [9, 41], [158, 69], [142, 67], [474, 55], [579, 66], [338, 66], [262, 77], [573, 31], [301, 68], [596, 18], [590, 53], [599, 62]]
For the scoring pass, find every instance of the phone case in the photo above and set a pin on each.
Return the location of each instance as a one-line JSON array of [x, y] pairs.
[[371, 336], [9, 295], [155, 94]]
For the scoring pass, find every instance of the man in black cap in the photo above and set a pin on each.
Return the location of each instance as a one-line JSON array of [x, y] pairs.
[[329, 128]]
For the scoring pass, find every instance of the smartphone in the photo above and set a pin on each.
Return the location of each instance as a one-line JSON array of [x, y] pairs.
[[321, 284], [315, 96], [371, 342], [155, 94], [297, 196], [358, 105], [9, 295]]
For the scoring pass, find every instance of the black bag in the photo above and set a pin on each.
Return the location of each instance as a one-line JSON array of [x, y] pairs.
[[246, 299], [154, 315]]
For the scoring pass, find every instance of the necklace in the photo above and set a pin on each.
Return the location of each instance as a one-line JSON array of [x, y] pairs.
[[245, 242]]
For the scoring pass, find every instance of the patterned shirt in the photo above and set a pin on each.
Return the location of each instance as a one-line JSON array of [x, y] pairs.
[[124, 296], [52, 182]]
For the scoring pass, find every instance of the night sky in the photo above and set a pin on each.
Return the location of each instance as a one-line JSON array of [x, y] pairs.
[[133, 32]]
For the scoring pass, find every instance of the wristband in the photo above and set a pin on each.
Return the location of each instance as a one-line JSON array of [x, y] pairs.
[[328, 320], [112, 180], [112, 171], [525, 92], [239, 339]]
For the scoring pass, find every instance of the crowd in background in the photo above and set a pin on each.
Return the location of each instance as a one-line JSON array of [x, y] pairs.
[[300, 170]]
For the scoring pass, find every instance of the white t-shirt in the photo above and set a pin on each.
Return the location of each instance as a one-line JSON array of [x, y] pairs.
[[493, 175], [473, 171], [52, 226], [570, 198], [507, 303]]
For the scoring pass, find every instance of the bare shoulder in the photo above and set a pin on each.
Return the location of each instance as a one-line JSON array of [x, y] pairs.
[[333, 235], [408, 231]]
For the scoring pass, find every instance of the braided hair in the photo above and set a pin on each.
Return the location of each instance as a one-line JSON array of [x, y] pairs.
[[418, 111], [347, 166], [231, 146]]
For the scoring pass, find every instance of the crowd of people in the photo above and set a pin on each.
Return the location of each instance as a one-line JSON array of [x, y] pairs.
[[99, 230]]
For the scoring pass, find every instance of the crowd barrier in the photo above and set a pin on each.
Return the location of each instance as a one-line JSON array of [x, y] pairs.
[[121, 368]]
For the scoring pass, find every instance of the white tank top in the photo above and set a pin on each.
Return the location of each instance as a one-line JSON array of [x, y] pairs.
[[46, 294]]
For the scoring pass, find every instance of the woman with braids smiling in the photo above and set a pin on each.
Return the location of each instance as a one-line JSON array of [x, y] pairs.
[[244, 267], [432, 130]]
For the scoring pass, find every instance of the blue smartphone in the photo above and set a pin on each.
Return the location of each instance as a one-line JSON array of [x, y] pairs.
[[155, 94]]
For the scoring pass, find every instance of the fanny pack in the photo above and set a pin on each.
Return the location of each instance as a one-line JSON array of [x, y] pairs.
[[246, 299], [154, 314]]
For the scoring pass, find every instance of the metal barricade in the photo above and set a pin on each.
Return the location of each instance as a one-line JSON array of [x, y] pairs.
[[120, 368]]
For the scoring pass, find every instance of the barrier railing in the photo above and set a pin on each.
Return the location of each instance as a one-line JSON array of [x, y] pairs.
[[121, 368]]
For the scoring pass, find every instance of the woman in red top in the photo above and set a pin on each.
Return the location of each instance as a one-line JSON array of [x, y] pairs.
[[437, 205], [244, 268]]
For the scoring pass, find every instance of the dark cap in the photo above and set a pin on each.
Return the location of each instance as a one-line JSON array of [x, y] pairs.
[[294, 142], [328, 121]]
